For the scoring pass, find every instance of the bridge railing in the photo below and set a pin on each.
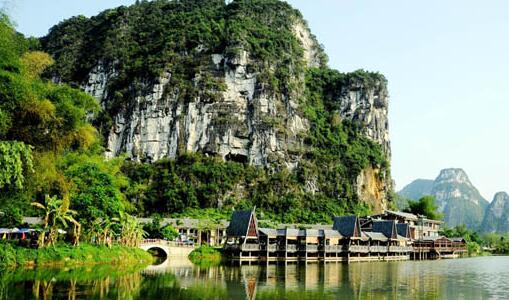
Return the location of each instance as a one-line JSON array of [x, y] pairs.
[[166, 243]]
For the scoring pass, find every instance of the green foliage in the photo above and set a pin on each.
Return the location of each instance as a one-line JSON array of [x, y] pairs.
[[461, 231], [338, 150], [15, 162], [169, 232], [39, 121], [426, 207], [155, 230], [11, 216], [197, 186], [473, 239], [63, 254], [97, 187], [205, 256], [499, 243]]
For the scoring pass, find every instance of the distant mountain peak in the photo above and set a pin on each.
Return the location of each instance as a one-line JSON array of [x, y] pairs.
[[454, 195], [453, 175], [496, 218], [501, 196]]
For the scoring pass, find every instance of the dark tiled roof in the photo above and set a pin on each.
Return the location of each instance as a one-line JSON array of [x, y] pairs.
[[457, 239], [239, 223], [434, 238], [376, 236], [268, 231], [404, 215], [348, 226], [388, 228], [295, 232], [403, 230], [329, 233], [314, 232]]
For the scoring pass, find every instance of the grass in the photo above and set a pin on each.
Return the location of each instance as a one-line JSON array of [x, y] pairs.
[[206, 256], [62, 254]]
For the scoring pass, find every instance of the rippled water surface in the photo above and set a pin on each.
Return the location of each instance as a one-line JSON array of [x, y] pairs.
[[471, 278]]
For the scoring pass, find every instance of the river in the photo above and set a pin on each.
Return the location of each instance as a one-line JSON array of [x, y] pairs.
[[469, 278]]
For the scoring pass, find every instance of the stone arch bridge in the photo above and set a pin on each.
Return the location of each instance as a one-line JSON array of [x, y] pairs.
[[171, 249]]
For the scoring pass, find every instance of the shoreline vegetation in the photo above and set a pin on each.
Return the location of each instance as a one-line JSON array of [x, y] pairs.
[[13, 256], [206, 256]]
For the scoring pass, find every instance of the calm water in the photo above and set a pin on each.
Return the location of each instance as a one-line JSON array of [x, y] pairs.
[[472, 278]]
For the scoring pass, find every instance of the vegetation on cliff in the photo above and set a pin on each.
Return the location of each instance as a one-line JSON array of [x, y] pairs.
[[53, 149]]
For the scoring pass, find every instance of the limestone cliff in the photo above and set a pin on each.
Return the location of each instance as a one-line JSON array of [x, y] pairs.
[[455, 196], [496, 218], [235, 88]]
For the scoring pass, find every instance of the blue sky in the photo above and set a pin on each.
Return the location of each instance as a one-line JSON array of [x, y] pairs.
[[447, 63]]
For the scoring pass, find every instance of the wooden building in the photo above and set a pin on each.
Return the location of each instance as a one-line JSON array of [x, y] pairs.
[[344, 242]]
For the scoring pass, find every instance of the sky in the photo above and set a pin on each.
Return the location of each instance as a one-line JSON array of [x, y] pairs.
[[447, 63]]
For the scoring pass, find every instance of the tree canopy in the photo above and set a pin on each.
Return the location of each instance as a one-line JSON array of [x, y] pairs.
[[426, 207]]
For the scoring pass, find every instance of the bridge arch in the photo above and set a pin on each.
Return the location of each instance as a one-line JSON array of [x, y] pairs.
[[160, 249], [171, 249]]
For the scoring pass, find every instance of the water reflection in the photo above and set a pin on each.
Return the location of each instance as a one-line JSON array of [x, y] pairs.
[[481, 278]]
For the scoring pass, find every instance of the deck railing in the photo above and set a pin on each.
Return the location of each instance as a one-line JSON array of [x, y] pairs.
[[378, 249], [334, 248], [400, 249], [358, 249], [166, 243], [250, 247], [272, 248], [291, 248], [310, 247]]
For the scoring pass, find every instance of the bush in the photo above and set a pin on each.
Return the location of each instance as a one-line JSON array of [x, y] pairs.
[[64, 254], [205, 256]]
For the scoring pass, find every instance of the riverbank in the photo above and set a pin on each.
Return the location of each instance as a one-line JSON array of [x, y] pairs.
[[67, 255]]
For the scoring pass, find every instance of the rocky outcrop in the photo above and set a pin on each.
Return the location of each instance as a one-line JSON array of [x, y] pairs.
[[242, 125], [247, 124], [496, 218], [372, 189], [234, 86], [455, 196], [368, 104], [417, 188]]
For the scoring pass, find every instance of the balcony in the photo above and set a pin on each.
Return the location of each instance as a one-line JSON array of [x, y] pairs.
[[400, 249], [358, 249], [272, 248], [250, 247], [310, 248], [378, 249], [334, 248], [291, 248]]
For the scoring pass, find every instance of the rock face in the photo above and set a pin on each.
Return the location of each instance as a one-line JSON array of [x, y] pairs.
[[496, 218], [240, 126], [223, 95], [157, 124], [370, 107], [417, 188], [455, 196], [458, 199]]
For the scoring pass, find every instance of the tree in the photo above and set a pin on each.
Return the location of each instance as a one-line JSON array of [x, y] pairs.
[[55, 214], [131, 232], [97, 184], [426, 207], [34, 63]]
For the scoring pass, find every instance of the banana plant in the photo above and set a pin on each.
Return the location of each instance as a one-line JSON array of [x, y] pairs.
[[56, 214]]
